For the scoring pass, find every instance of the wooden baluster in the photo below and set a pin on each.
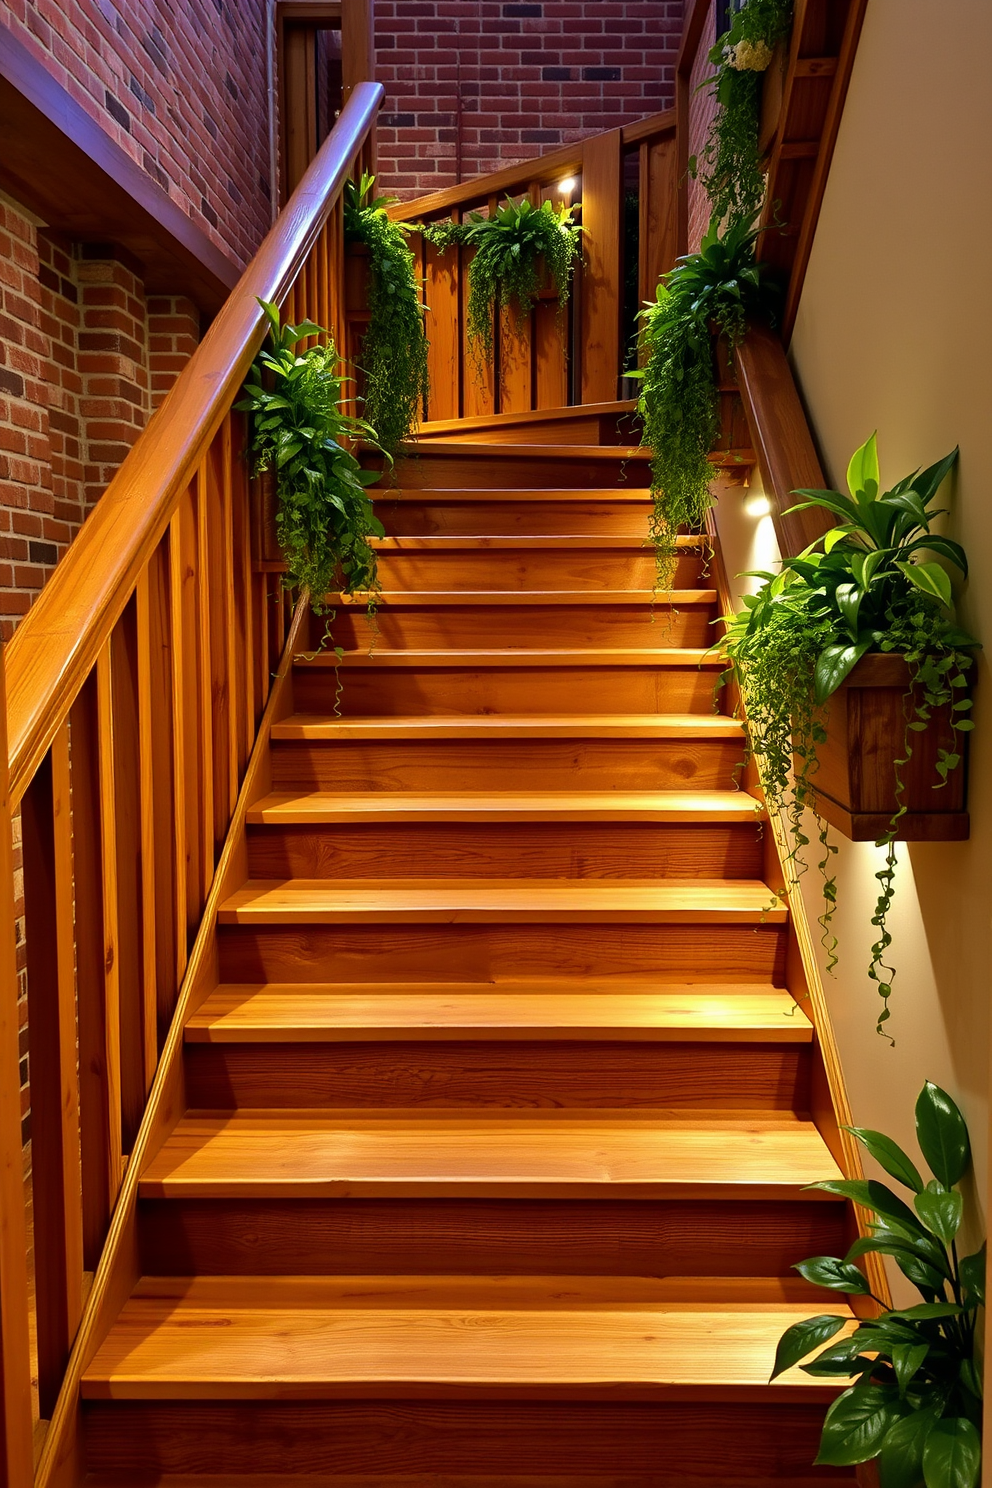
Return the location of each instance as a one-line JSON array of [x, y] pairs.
[[657, 212], [601, 285], [147, 781], [244, 594], [158, 781], [440, 271], [479, 378], [262, 609], [181, 768], [324, 272], [551, 337], [202, 588], [111, 935], [216, 599], [16, 1469], [229, 630], [55, 1158]]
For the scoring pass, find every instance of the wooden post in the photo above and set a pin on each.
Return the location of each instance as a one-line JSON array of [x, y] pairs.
[[601, 243], [16, 1467], [357, 44]]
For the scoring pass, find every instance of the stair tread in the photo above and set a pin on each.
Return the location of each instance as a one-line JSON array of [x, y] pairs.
[[517, 658], [474, 901], [568, 542], [486, 494], [326, 807], [508, 598], [579, 726], [312, 1338], [487, 1152], [287, 1012]]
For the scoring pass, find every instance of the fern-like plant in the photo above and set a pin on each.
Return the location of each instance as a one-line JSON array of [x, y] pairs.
[[393, 356], [730, 164], [505, 271], [324, 519], [712, 291]]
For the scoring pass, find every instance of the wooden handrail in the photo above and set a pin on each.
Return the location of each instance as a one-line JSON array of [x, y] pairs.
[[58, 643]]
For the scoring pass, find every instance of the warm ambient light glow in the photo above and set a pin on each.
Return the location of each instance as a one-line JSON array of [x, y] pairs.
[[567, 186], [756, 504]]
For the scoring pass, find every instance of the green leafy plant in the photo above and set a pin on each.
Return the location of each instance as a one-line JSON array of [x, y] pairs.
[[393, 354], [505, 272], [916, 1403], [867, 585], [730, 165], [324, 520], [709, 292]]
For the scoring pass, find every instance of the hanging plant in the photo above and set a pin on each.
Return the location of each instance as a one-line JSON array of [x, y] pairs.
[[712, 291], [393, 354], [514, 248], [866, 586], [916, 1404], [730, 163], [324, 519]]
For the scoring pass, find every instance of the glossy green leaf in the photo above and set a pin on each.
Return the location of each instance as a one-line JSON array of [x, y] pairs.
[[928, 482], [889, 1155], [839, 1276], [906, 1361], [857, 1423], [940, 1212], [862, 471], [900, 1462], [930, 578], [942, 1134], [802, 1338], [952, 1455], [878, 1197], [833, 665], [973, 1273]]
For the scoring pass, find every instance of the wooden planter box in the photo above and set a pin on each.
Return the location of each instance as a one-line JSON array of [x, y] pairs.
[[855, 783]]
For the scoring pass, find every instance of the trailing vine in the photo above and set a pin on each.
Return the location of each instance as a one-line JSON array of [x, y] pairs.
[[393, 354], [730, 165], [324, 519], [712, 290], [505, 272], [866, 586]]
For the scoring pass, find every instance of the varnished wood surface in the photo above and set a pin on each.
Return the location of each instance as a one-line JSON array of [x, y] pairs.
[[517, 658], [433, 1480], [487, 1153], [663, 806], [317, 1339], [300, 726], [274, 1013], [513, 901]]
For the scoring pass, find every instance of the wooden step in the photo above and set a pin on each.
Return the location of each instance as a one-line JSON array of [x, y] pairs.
[[382, 659], [438, 1480], [300, 1012], [438, 464], [324, 728], [618, 513], [512, 901], [283, 808], [487, 1153], [407, 1338], [524, 620], [511, 599], [570, 562]]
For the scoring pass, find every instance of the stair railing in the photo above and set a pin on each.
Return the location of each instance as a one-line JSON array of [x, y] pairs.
[[134, 691], [623, 183]]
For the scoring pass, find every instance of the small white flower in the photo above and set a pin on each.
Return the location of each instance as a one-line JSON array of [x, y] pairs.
[[750, 56]]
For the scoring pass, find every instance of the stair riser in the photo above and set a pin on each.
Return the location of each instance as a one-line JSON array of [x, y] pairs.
[[437, 518], [427, 628], [509, 764], [488, 469], [465, 1237], [465, 952], [734, 1441], [528, 568], [515, 1075], [573, 850], [376, 691]]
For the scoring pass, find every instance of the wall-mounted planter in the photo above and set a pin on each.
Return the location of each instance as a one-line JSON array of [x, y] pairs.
[[855, 781]]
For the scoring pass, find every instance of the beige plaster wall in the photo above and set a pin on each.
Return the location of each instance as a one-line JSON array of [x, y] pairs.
[[895, 334]]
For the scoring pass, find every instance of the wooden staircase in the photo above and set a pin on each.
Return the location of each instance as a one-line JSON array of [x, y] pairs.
[[497, 1121]]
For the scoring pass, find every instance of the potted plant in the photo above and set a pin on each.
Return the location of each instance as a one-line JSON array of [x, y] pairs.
[[707, 296], [854, 641], [324, 517], [915, 1405], [392, 357], [730, 163], [521, 251]]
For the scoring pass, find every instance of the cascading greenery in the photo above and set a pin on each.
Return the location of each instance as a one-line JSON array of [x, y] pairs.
[[916, 1402], [324, 520], [393, 356], [867, 585], [730, 165], [714, 289], [505, 272]]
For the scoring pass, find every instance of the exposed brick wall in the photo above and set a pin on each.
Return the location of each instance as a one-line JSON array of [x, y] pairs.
[[181, 86], [702, 111], [474, 85], [173, 336]]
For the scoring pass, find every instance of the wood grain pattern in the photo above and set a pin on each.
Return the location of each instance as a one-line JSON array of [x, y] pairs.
[[670, 806]]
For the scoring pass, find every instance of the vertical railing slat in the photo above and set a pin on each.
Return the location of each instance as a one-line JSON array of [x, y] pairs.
[[146, 793], [182, 856], [111, 959]]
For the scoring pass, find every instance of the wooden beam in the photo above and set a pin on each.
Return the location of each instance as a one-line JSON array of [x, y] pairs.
[[601, 276], [357, 44], [58, 161]]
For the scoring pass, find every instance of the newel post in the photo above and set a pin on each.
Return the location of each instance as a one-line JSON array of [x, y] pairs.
[[602, 247], [16, 1467]]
